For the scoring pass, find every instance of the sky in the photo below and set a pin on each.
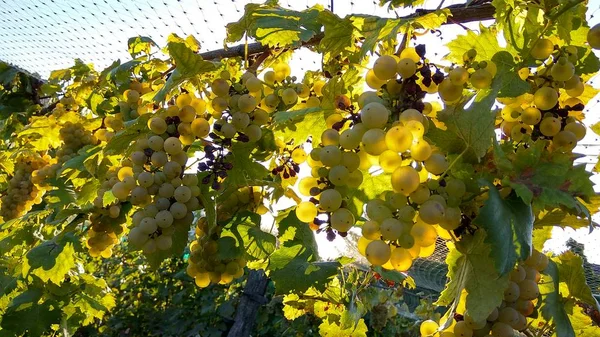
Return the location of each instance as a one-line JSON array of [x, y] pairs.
[[44, 35]]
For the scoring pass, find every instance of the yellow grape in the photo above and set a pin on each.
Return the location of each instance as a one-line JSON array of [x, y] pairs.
[[511, 113], [398, 138], [572, 82], [405, 180], [593, 37], [306, 211], [481, 79], [424, 234], [542, 49], [219, 87], [518, 132], [157, 125], [342, 220], [385, 67], [420, 195], [420, 151], [389, 161], [306, 184], [531, 116], [529, 289], [378, 252], [577, 129], [545, 98], [550, 126], [401, 260], [355, 178], [407, 67], [577, 90], [318, 87], [393, 86], [524, 73], [289, 96], [370, 230], [253, 84], [448, 91], [462, 330], [410, 53], [374, 141], [299, 155], [373, 81], [282, 70]]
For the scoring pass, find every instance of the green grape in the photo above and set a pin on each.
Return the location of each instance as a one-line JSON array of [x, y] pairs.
[[253, 84], [355, 179], [393, 87], [378, 252], [385, 67], [512, 292], [182, 194], [542, 49], [148, 225], [330, 155], [289, 96], [462, 330], [508, 315], [545, 98], [511, 113], [500, 329], [157, 125], [411, 115], [240, 120], [137, 237], [164, 242], [421, 150], [254, 133], [377, 210], [406, 241], [572, 82], [159, 159], [370, 230], [342, 220], [420, 195], [577, 129], [374, 142], [306, 211], [593, 37], [220, 87], [351, 160], [456, 188], [120, 191], [374, 115], [550, 126], [481, 79], [405, 180], [163, 218], [398, 138], [350, 139], [179, 210], [389, 161], [397, 200], [373, 81], [529, 290], [436, 164], [145, 179], [449, 92], [330, 200], [330, 137], [406, 213], [452, 218], [563, 70], [531, 116], [471, 323], [338, 175], [577, 90], [458, 76], [368, 97], [518, 274], [391, 229], [406, 68], [432, 212], [565, 140]]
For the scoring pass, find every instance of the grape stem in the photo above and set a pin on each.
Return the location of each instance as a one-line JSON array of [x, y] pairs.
[[455, 161]]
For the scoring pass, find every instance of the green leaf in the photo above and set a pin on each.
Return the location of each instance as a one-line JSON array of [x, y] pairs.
[[121, 141], [50, 261], [108, 198], [371, 188], [27, 316], [237, 30], [245, 167], [400, 3], [486, 44], [506, 221], [571, 272], [180, 241], [339, 34], [540, 236], [140, 44], [245, 227], [188, 65], [292, 231], [469, 269], [391, 275], [553, 308], [331, 328], [583, 325], [299, 125], [293, 269]]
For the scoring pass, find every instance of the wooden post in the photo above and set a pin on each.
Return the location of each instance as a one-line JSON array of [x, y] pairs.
[[253, 297]]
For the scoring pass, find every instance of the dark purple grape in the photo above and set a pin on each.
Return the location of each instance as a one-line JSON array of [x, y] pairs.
[[343, 234], [427, 81], [330, 234], [216, 185], [420, 49], [425, 72], [148, 152], [202, 167], [438, 77], [228, 166]]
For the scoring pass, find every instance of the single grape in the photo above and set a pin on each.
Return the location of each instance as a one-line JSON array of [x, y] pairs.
[[306, 211], [550, 126], [531, 116], [342, 220], [374, 115], [449, 92], [481, 79], [374, 142], [370, 230], [545, 98], [542, 49], [378, 252], [405, 180], [330, 200], [385, 67], [407, 68], [593, 37]]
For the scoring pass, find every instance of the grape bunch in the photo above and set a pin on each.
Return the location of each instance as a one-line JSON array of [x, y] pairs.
[[208, 263], [74, 137], [546, 114], [22, 192], [131, 106], [519, 302]]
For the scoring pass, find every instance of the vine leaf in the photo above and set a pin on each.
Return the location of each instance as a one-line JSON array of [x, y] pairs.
[[486, 44], [299, 125], [469, 269], [245, 227], [26, 315], [371, 188], [245, 167], [50, 261], [140, 44], [506, 221], [553, 308], [570, 271], [333, 328], [339, 34]]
